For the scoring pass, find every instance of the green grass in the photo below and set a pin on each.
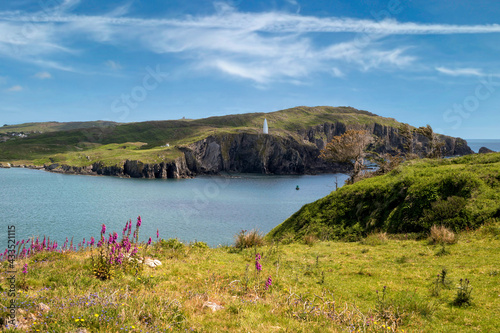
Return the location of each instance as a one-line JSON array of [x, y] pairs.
[[70, 139], [327, 287], [459, 193], [54, 126]]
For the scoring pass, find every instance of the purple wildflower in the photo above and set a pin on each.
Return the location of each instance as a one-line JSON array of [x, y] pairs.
[[103, 229], [157, 233], [149, 241], [258, 266], [119, 259], [92, 241], [134, 251], [139, 221], [25, 269], [125, 229], [269, 282]]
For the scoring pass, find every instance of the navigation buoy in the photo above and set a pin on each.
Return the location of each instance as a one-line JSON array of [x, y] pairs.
[[297, 188]]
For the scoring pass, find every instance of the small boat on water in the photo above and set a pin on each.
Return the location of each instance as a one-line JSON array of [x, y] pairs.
[[297, 188]]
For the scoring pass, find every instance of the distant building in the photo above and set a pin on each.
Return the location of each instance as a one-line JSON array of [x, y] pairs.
[[265, 130]]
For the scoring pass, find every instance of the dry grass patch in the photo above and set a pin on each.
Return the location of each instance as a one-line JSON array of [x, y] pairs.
[[245, 240], [442, 235]]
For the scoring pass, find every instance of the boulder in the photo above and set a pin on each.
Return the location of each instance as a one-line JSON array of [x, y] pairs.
[[484, 150]]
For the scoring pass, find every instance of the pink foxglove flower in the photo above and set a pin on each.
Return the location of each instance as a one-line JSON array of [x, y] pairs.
[[269, 282]]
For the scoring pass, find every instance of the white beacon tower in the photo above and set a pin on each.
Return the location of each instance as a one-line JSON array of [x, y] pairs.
[[265, 130]]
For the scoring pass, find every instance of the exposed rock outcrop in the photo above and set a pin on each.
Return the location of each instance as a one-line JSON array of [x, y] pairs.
[[484, 150], [247, 152]]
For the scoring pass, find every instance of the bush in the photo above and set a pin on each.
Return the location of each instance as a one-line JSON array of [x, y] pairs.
[[450, 212], [287, 238], [442, 235], [245, 240], [460, 193], [199, 245]]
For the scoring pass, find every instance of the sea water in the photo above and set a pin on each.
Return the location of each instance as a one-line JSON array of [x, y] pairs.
[[209, 209]]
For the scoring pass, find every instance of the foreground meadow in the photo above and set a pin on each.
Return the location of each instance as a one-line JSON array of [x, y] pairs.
[[380, 284]]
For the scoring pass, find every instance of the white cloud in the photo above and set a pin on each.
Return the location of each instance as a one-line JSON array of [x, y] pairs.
[[261, 47], [43, 75], [113, 65], [337, 72], [460, 71], [15, 89]]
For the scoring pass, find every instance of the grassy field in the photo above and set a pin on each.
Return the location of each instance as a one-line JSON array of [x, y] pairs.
[[67, 142], [54, 126], [460, 193], [379, 284]]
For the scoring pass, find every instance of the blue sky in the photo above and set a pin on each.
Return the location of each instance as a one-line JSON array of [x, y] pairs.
[[421, 62]]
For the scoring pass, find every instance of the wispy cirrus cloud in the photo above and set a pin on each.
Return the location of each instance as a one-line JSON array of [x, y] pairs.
[[261, 47], [43, 75], [16, 88], [113, 65], [460, 71]]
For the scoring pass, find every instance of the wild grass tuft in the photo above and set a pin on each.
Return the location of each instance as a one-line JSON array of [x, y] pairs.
[[245, 239], [442, 235], [374, 239]]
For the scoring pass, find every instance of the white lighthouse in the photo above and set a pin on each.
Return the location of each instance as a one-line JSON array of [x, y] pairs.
[[265, 130]]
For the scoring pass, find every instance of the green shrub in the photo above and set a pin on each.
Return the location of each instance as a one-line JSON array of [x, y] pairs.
[[460, 193]]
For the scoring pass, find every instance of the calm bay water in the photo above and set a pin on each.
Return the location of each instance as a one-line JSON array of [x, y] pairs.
[[209, 209]]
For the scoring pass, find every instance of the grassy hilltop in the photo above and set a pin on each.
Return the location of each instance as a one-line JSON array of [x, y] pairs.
[[459, 193], [111, 143], [54, 126]]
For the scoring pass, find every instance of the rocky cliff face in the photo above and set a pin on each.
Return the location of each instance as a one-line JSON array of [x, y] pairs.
[[265, 154], [388, 139]]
